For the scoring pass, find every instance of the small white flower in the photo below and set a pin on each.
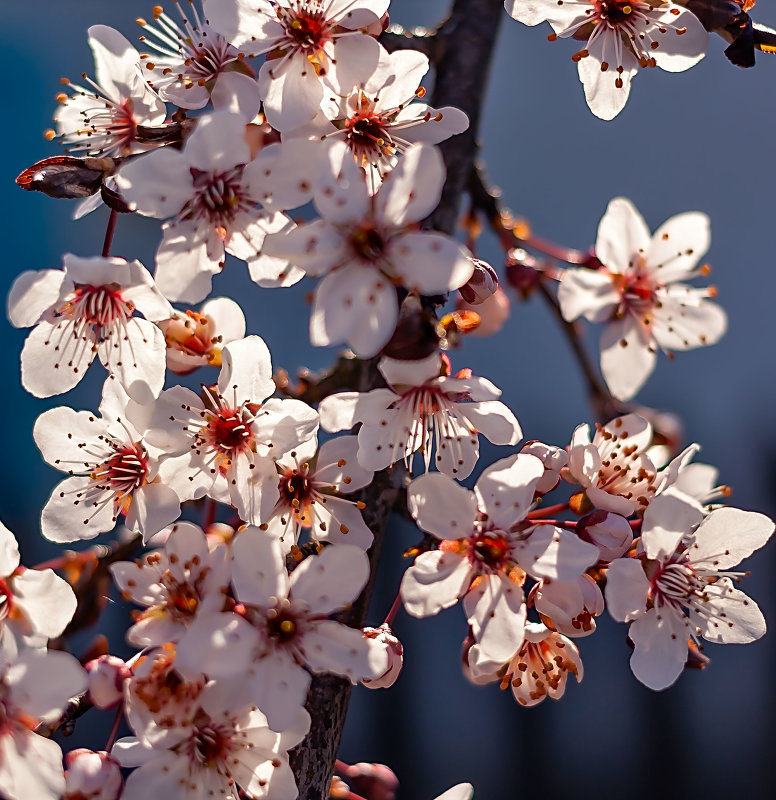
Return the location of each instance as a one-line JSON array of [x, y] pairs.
[[682, 587], [425, 409], [637, 294], [85, 308], [620, 36], [111, 470]]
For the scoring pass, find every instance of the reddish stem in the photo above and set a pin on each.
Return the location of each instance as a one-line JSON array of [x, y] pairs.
[[210, 514], [115, 729], [539, 513], [62, 561], [106, 245], [558, 523], [394, 609]]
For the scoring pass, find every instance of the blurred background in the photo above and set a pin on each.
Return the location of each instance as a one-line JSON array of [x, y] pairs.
[[699, 140]]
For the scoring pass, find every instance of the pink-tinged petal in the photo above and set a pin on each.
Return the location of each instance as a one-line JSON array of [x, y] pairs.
[[413, 189], [429, 263], [729, 535], [137, 582], [461, 791], [587, 293], [157, 184], [532, 12], [153, 507], [228, 318], [685, 320], [627, 589], [136, 356], [292, 92], [353, 56], [186, 260], [678, 245], [666, 520], [442, 122], [493, 420], [45, 599], [66, 518], [40, 683], [331, 647], [339, 515], [367, 12], [32, 767], [258, 568], [291, 422], [397, 77], [63, 435], [246, 374], [678, 52], [248, 230], [660, 639], [495, 609], [341, 411], [316, 248], [283, 174], [435, 581], [414, 372], [241, 21], [622, 234], [628, 356], [32, 293], [162, 773], [348, 476], [604, 96], [615, 503], [236, 93], [340, 194], [218, 143], [380, 445], [188, 475], [629, 430], [505, 490], [356, 305], [331, 579], [9, 552], [253, 491], [278, 686], [729, 616], [54, 359], [220, 645], [457, 447], [144, 295], [556, 554], [441, 506]]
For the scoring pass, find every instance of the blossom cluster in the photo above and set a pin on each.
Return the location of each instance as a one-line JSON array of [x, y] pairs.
[[285, 108]]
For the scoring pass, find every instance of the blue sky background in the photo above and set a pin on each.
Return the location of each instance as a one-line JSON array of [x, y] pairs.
[[700, 140]]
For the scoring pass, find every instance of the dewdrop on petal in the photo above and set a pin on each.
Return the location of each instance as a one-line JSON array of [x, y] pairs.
[[395, 650]]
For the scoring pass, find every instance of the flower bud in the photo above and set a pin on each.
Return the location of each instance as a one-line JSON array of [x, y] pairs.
[[610, 533], [91, 775], [106, 680], [493, 312], [385, 636], [482, 284], [372, 781]]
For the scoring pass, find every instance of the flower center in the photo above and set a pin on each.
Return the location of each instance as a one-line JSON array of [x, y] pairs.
[[367, 243], [182, 598], [211, 745], [282, 625], [614, 12], [678, 582], [366, 134], [190, 334], [124, 472], [491, 550], [229, 430], [98, 305], [218, 199], [296, 490], [305, 26]]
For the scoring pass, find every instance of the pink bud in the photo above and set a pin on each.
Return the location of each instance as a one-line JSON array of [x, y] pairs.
[[385, 636], [373, 781], [106, 680], [482, 284], [91, 775], [610, 533], [493, 312]]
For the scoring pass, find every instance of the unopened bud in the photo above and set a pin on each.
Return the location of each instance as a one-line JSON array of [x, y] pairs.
[[482, 284], [493, 312], [106, 680], [393, 646], [372, 781], [610, 533], [91, 775]]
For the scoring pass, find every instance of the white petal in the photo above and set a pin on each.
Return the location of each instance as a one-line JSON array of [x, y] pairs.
[[678, 245], [496, 612], [258, 568], [622, 234], [730, 617], [40, 683], [46, 600], [493, 420], [54, 359], [429, 263], [221, 645], [9, 552], [331, 579], [316, 248], [218, 143], [341, 195], [186, 261], [435, 581], [157, 184], [32, 293], [153, 507], [587, 293], [279, 688], [32, 767], [442, 507], [604, 96], [343, 410], [666, 520], [246, 374], [627, 589], [553, 553], [331, 647], [66, 517], [677, 53], [237, 94], [684, 320], [660, 652], [506, 488], [628, 356], [292, 93], [729, 535]]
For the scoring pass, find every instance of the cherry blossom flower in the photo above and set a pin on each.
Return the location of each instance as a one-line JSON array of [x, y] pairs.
[[88, 307], [211, 189], [539, 669], [620, 36], [175, 584], [614, 470], [284, 626], [638, 296], [102, 118], [682, 587], [424, 407], [224, 443], [111, 471], [34, 688], [227, 748], [311, 485], [196, 338], [191, 64], [307, 42], [35, 604], [364, 246], [486, 550]]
